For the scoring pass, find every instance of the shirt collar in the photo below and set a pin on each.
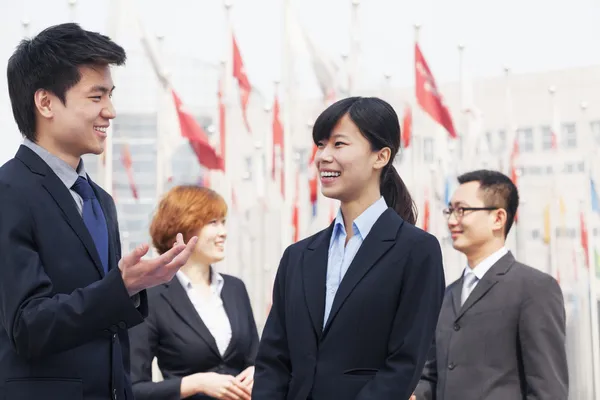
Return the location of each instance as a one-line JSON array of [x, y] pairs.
[[487, 263], [363, 224], [64, 171], [216, 281]]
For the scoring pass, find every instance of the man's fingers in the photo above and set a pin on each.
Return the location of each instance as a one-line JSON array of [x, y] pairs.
[[181, 257], [134, 256]]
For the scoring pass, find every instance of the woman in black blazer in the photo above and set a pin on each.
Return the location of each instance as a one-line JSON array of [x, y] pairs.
[[356, 305], [200, 326]]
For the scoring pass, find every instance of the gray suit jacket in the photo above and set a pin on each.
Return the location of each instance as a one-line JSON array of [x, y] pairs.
[[506, 342]]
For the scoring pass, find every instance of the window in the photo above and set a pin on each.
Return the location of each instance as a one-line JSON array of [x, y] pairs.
[[428, 149], [569, 136], [547, 139], [525, 138]]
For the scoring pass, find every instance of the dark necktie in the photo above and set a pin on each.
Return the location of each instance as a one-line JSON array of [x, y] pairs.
[[93, 217]]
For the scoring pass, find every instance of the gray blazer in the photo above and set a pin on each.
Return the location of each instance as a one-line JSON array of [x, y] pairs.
[[506, 342]]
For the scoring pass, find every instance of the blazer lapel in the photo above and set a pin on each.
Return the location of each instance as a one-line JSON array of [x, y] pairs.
[[230, 304], [379, 240], [179, 300], [314, 274], [63, 199], [456, 292], [487, 282]]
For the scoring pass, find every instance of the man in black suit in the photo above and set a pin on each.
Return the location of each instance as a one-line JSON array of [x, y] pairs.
[[501, 330], [67, 297]]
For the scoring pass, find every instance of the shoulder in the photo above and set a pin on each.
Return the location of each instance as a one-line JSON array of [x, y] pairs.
[[534, 283], [233, 281]]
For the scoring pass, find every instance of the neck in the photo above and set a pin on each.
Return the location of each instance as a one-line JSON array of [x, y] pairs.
[[70, 159], [353, 209], [475, 257], [197, 273]]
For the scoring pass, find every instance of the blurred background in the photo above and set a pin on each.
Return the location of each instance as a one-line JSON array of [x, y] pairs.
[[224, 94]]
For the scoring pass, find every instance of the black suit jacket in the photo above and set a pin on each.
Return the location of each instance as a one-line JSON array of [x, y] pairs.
[[64, 324], [175, 334], [380, 327]]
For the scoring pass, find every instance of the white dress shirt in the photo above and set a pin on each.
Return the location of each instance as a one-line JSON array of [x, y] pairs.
[[211, 309]]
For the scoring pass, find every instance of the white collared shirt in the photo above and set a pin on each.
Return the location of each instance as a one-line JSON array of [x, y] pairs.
[[211, 310], [485, 265]]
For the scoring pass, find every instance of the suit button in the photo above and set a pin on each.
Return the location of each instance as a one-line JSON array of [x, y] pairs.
[[451, 366], [115, 394], [114, 337], [456, 327], [122, 325]]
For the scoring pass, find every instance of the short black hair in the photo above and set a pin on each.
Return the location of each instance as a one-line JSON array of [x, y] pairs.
[[51, 61], [498, 191]]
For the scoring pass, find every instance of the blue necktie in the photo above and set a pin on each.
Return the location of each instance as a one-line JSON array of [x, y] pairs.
[[93, 217]]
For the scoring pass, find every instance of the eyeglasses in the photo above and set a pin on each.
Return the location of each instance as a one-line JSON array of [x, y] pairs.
[[459, 212]]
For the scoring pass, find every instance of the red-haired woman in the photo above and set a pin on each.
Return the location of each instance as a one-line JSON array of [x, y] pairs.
[[200, 326]]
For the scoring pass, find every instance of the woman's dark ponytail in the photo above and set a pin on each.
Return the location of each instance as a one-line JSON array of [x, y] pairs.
[[396, 194]]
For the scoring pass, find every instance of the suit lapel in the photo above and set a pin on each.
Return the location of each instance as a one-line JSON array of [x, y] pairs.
[[314, 274], [380, 239], [231, 309], [456, 292], [181, 304], [488, 281], [63, 199]]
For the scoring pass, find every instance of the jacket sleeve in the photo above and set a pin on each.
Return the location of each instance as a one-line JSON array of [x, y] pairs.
[[414, 324], [38, 321], [273, 368], [254, 340], [542, 329], [144, 340], [427, 386]]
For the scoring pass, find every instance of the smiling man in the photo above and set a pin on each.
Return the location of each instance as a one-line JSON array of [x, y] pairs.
[[67, 297], [501, 329]]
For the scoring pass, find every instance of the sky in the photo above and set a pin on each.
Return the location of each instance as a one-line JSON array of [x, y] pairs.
[[528, 36]]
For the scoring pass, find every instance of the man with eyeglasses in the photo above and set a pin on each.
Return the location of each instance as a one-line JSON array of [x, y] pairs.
[[501, 329]]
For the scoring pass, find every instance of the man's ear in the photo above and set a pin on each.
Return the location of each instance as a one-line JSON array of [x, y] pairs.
[[43, 101]]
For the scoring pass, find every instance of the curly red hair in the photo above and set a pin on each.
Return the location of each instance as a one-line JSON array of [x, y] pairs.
[[184, 209]]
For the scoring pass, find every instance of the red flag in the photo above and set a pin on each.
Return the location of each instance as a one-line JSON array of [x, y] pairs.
[[428, 95], [278, 153], [239, 73], [191, 130], [222, 142], [426, 215], [296, 210], [584, 239], [127, 163], [406, 127]]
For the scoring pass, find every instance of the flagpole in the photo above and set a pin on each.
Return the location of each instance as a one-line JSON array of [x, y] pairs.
[[354, 47], [462, 135], [595, 334], [228, 98], [72, 10], [106, 162], [416, 136], [288, 131], [554, 206]]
